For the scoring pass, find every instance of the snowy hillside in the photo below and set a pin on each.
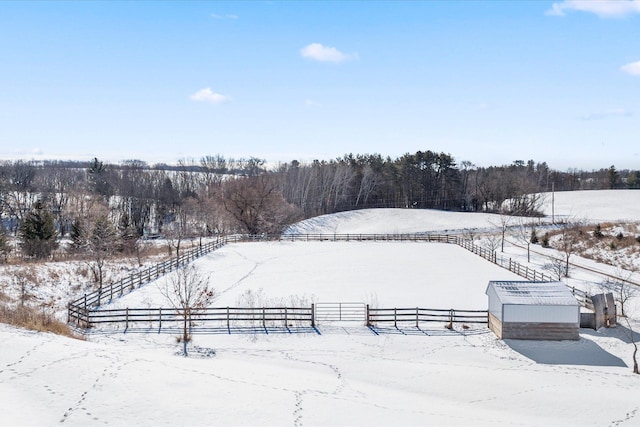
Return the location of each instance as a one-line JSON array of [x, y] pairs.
[[591, 206], [595, 205], [345, 374]]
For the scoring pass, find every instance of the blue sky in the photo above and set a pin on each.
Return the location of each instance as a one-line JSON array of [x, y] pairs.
[[488, 82]]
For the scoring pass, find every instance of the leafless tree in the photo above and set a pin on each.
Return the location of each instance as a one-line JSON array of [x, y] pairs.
[[568, 241], [503, 223], [622, 290], [491, 242], [187, 291], [556, 267], [23, 281], [257, 206], [523, 235], [631, 334]]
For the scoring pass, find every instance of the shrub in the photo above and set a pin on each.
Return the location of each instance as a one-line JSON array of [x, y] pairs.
[[534, 237], [35, 320], [545, 240], [597, 232]]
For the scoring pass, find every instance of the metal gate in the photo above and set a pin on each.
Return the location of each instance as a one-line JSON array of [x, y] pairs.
[[340, 312]]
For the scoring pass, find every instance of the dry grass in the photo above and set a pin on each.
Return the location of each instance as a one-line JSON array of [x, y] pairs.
[[29, 318]]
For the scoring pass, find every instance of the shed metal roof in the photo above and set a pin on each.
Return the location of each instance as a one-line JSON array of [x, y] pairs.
[[533, 293]]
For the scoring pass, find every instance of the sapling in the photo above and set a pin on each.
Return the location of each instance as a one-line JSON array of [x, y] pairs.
[[187, 291]]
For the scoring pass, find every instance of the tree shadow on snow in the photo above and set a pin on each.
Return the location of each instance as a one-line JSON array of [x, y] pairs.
[[200, 330], [583, 352], [421, 330], [619, 331]]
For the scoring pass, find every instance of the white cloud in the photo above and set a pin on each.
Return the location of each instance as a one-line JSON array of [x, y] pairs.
[[318, 52], [632, 68], [602, 8], [209, 96], [618, 112]]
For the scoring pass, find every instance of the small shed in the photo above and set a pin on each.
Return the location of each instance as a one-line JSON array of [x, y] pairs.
[[533, 311]]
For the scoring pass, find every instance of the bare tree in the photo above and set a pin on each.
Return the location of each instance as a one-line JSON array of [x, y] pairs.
[[556, 267], [257, 205], [631, 334], [503, 223], [23, 281], [491, 242], [569, 239], [187, 291], [621, 289], [523, 236]]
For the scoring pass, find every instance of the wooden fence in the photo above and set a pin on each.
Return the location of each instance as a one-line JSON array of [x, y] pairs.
[[139, 278], [213, 317], [267, 317], [82, 309], [417, 315]]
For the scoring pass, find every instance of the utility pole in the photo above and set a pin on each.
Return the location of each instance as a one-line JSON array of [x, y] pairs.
[[553, 202]]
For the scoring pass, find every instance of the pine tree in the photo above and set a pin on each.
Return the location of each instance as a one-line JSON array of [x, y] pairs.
[[78, 235], [128, 234], [38, 232], [4, 245], [103, 241]]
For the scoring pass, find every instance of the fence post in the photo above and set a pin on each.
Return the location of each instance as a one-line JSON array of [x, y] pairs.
[[395, 318], [126, 318], [228, 326], [417, 317], [366, 320], [160, 321], [313, 315]]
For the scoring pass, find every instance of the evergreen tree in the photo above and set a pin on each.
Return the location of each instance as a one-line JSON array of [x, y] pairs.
[[103, 241], [78, 235], [99, 179], [128, 234], [38, 232], [4, 245]]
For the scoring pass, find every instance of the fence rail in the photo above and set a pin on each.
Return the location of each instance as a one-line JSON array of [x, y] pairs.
[[211, 316], [265, 317], [82, 309], [417, 315]]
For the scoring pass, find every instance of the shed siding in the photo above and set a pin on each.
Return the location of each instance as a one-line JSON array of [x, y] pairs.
[[542, 313], [495, 325], [540, 331], [495, 306]]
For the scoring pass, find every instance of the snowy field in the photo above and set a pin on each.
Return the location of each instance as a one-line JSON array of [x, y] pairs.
[[345, 374]]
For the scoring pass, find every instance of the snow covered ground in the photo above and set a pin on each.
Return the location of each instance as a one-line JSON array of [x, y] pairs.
[[345, 374]]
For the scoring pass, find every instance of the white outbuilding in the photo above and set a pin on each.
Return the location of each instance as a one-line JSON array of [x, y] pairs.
[[533, 310]]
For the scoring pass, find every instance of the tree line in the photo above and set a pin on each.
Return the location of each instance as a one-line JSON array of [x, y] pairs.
[[102, 208]]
